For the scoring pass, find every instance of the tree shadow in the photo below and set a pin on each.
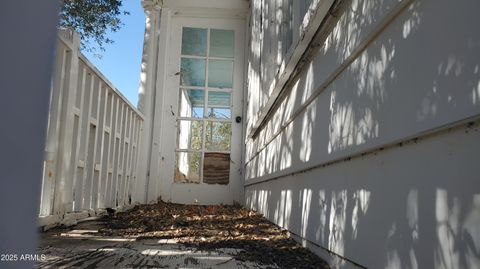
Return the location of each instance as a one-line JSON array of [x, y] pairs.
[[357, 183]]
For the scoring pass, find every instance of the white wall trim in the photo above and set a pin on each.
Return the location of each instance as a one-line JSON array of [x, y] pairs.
[[414, 138]]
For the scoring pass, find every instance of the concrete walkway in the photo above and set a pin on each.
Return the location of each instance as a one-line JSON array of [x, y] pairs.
[[83, 247]]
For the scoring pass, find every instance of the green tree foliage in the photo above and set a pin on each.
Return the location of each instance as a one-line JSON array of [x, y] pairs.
[[92, 19]]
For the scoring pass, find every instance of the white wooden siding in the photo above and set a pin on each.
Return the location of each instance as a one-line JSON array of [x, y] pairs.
[[371, 151]]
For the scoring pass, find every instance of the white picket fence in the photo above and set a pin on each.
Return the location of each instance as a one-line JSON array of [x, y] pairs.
[[92, 138]]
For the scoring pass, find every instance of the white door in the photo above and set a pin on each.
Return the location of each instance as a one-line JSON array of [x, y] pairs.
[[203, 116]]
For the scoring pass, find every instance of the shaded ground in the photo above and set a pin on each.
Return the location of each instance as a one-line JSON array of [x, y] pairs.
[[167, 235]]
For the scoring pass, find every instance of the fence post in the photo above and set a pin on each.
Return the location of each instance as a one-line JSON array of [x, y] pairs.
[[63, 185], [54, 129]]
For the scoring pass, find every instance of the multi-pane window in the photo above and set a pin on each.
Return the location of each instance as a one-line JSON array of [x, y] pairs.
[[204, 122]]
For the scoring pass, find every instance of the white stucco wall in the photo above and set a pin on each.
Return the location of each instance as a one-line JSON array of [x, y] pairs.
[[370, 153]]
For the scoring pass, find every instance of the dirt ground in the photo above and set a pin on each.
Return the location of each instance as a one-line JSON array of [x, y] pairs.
[[234, 235]]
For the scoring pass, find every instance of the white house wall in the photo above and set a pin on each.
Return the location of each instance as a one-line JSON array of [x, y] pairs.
[[371, 151]]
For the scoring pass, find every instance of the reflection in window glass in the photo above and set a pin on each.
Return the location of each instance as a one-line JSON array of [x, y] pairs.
[[219, 113], [187, 168], [220, 74], [216, 168], [192, 72], [221, 43], [218, 135], [189, 134], [219, 99], [194, 41], [219, 105], [191, 103]]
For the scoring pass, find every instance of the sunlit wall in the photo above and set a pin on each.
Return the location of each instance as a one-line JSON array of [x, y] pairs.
[[371, 150]]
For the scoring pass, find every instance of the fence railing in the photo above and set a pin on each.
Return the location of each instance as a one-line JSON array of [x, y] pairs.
[[92, 138]]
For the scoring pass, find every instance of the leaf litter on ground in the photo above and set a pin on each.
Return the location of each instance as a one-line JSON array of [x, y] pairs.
[[214, 227]]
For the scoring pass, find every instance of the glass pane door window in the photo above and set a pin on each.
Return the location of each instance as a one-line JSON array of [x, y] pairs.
[[204, 119]]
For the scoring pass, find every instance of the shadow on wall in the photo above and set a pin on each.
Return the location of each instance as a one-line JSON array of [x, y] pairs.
[[415, 206], [271, 37], [383, 215], [428, 66], [409, 79]]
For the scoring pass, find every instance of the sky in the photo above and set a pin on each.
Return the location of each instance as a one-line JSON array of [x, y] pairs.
[[120, 62]]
